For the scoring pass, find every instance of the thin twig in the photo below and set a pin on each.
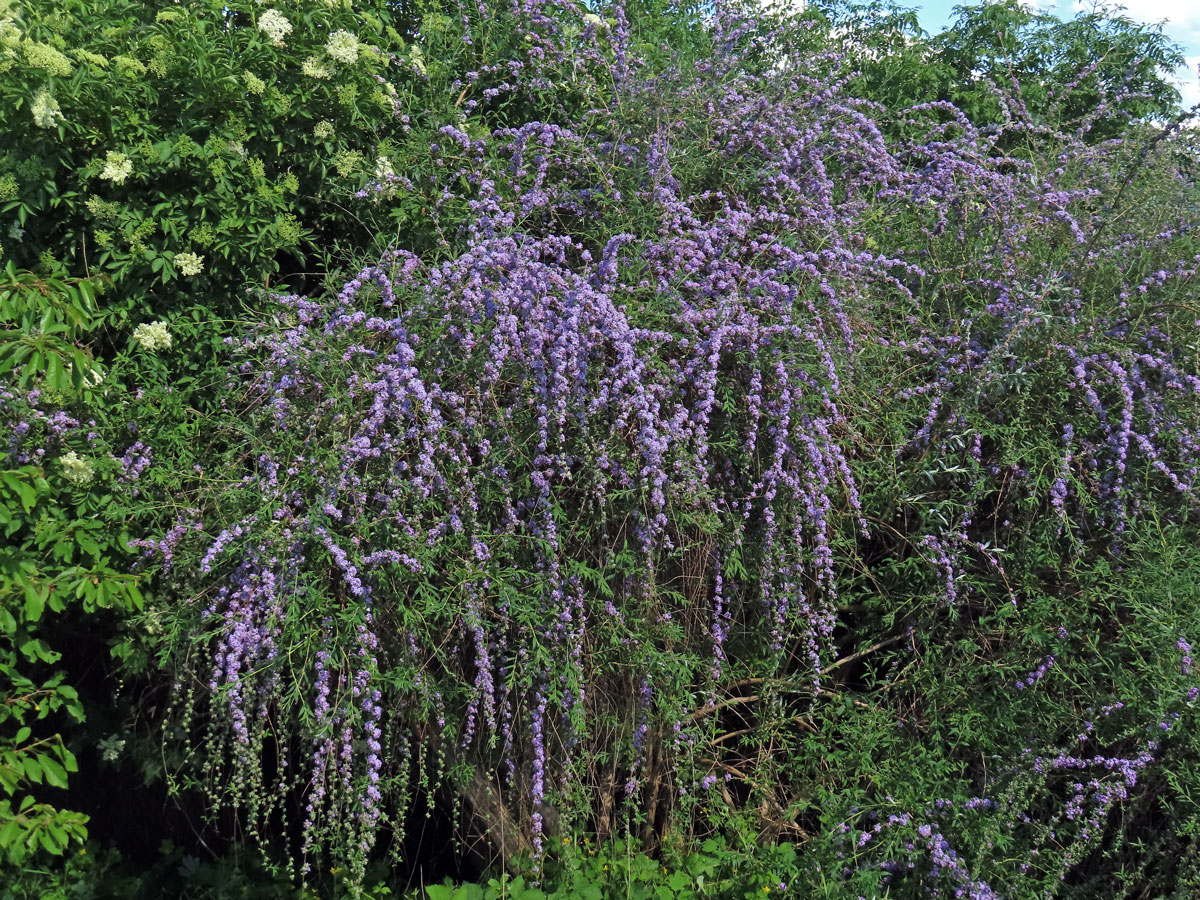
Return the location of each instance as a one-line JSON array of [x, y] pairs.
[[854, 657]]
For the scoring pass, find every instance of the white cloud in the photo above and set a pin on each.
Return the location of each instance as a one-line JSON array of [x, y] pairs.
[[1182, 17], [784, 7], [1188, 82]]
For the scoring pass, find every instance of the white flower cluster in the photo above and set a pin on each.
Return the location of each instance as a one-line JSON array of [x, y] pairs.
[[45, 109], [385, 176], [323, 130], [312, 68], [117, 167], [343, 46], [254, 84], [91, 377], [10, 34], [43, 56], [76, 469], [153, 337], [417, 59], [188, 264], [275, 26], [111, 748], [594, 20], [89, 58]]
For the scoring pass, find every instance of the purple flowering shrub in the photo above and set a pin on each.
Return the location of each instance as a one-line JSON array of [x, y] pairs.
[[734, 463]]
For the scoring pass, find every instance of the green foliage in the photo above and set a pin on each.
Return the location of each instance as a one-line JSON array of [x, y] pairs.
[[165, 155], [620, 871], [1065, 69], [96, 872], [62, 546], [46, 317], [192, 154]]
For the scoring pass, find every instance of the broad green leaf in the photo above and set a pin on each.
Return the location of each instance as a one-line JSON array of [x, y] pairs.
[[56, 776], [35, 602], [33, 769]]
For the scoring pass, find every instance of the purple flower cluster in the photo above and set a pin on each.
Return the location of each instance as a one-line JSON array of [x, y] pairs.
[[134, 461], [1036, 675], [944, 863], [166, 546], [511, 478]]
